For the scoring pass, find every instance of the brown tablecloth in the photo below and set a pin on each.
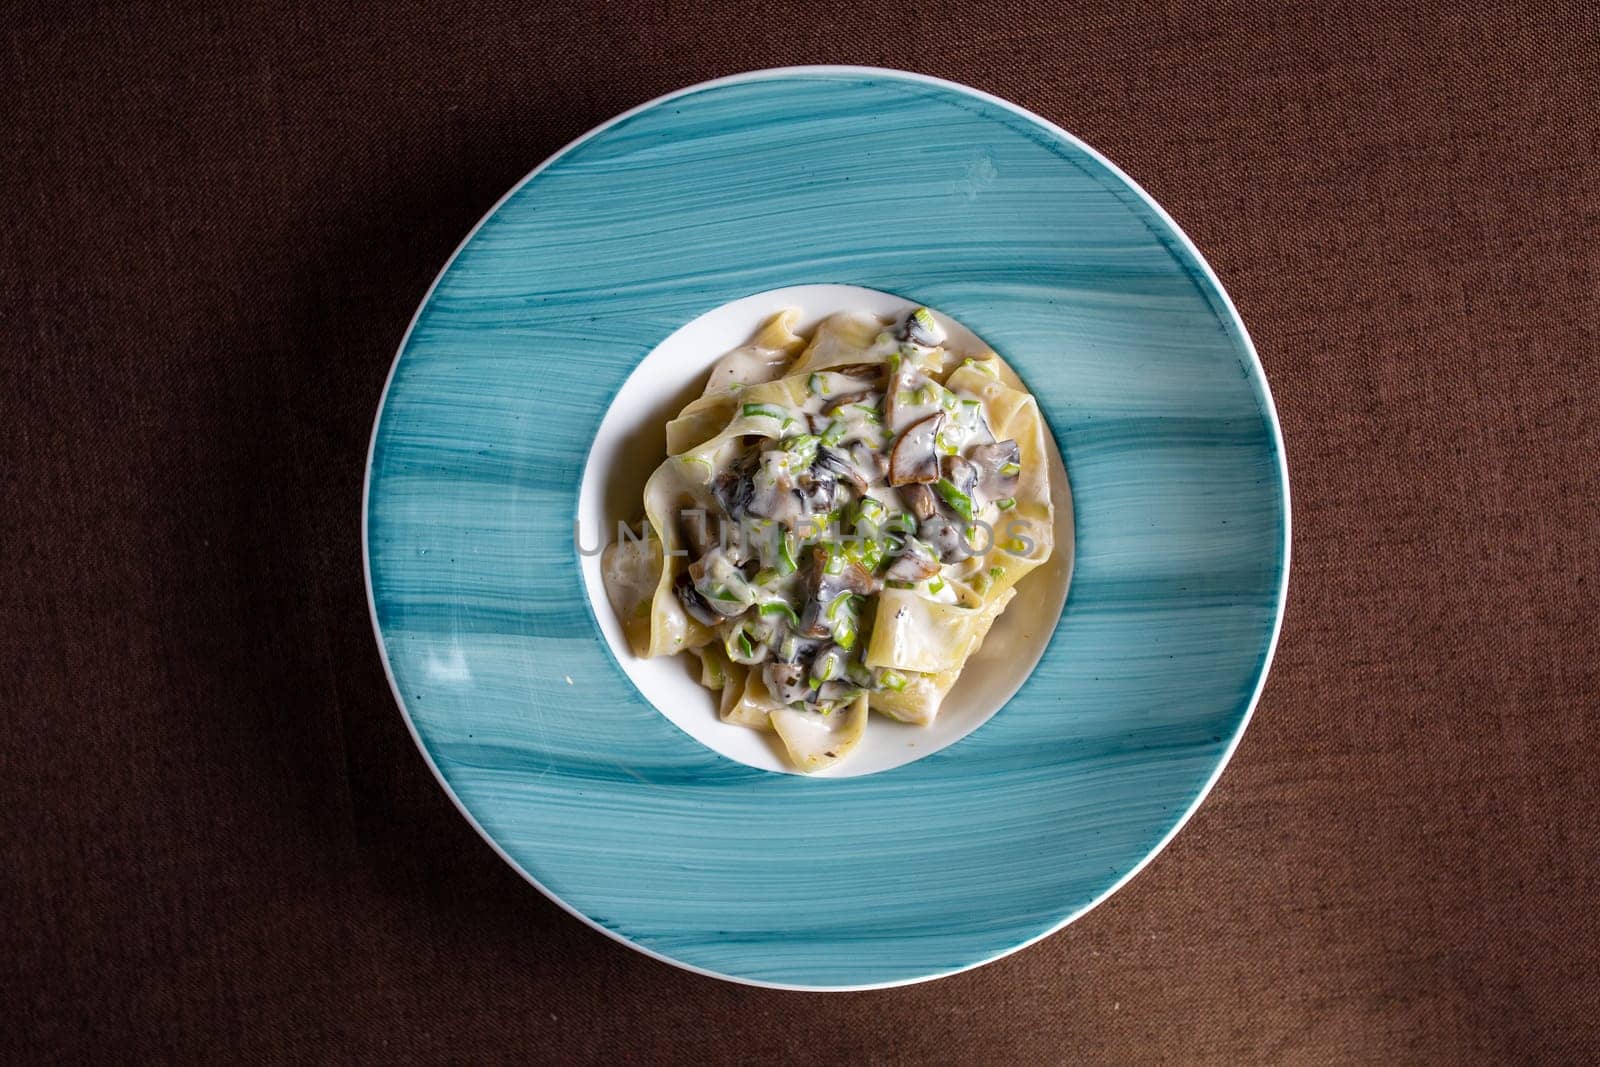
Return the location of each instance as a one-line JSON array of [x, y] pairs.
[[218, 839]]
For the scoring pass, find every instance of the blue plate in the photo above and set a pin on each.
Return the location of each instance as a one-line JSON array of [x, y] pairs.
[[895, 182]]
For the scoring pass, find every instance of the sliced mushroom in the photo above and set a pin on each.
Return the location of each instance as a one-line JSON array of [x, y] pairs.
[[839, 464], [919, 499], [869, 372], [914, 457], [868, 397], [734, 486], [946, 538], [921, 328], [990, 461], [822, 589], [692, 601], [817, 489], [915, 563], [960, 473]]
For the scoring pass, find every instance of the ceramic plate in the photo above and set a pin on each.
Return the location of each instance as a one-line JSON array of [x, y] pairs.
[[522, 401]]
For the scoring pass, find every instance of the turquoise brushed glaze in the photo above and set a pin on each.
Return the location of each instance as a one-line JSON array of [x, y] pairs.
[[945, 196]]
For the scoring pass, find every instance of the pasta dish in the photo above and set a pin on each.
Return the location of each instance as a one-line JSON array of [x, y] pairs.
[[837, 525]]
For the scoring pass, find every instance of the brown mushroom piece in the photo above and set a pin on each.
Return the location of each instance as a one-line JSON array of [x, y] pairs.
[[961, 474], [822, 589], [692, 601], [919, 499], [991, 461], [869, 397], [921, 328], [914, 564], [838, 464], [868, 372], [817, 490], [914, 457], [734, 486], [946, 538]]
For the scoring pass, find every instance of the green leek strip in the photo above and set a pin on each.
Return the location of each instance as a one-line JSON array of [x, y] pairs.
[[869, 509], [924, 318], [803, 449], [895, 583], [844, 635], [763, 411], [902, 522], [995, 572], [1007, 504], [959, 502], [868, 412], [867, 551], [833, 563], [840, 602], [983, 366], [786, 563], [814, 385], [936, 585], [893, 680], [745, 647], [778, 607], [1010, 469], [834, 433]]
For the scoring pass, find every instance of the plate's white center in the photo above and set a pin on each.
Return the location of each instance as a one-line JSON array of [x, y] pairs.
[[631, 443]]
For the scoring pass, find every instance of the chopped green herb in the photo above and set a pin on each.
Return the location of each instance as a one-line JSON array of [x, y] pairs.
[[995, 572], [1007, 504], [1010, 469]]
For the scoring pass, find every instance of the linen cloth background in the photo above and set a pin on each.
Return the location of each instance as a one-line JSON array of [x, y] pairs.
[[218, 840]]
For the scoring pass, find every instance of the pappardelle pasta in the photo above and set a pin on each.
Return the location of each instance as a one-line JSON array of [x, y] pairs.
[[837, 526]]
